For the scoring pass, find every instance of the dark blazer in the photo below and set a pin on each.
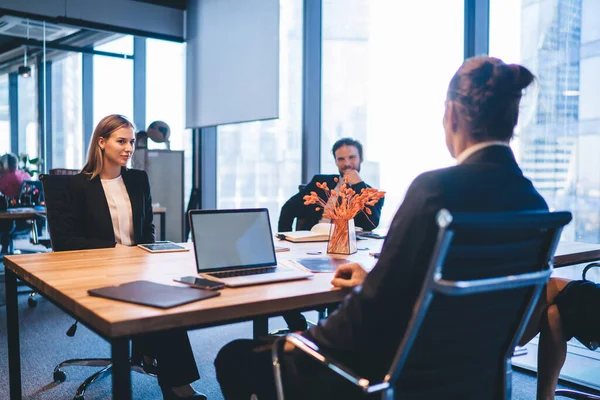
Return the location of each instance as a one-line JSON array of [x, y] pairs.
[[367, 328], [86, 222], [308, 216]]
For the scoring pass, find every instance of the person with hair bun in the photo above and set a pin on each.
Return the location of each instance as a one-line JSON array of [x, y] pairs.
[[481, 112]]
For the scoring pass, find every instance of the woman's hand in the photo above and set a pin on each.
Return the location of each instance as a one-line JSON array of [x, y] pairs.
[[349, 275]]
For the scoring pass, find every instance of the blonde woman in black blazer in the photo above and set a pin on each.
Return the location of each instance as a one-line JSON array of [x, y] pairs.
[[109, 205]]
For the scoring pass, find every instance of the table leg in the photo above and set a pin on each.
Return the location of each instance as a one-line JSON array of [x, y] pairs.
[[12, 325], [121, 374], [34, 231], [260, 327]]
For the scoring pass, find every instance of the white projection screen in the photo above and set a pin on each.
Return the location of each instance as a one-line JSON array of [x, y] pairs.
[[232, 71]]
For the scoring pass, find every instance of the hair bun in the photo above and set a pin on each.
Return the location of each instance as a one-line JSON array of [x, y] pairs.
[[521, 76]]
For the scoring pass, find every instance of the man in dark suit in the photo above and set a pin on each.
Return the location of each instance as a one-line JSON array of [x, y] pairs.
[[364, 333], [348, 155]]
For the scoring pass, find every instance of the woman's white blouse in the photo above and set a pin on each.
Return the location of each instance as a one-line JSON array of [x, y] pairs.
[[120, 210]]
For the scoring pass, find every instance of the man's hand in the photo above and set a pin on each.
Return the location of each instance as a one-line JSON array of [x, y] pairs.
[[353, 176], [349, 275]]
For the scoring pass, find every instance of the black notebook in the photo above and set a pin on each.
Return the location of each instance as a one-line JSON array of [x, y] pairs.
[[153, 294]]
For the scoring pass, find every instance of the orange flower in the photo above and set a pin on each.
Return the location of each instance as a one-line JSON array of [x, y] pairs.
[[345, 203]]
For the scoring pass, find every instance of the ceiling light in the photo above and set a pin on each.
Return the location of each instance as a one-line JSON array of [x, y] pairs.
[[25, 71]]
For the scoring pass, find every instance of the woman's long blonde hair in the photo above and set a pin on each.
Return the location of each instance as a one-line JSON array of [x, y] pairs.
[[106, 126]]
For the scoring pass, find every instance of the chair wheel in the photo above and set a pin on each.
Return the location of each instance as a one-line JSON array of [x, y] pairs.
[[31, 302], [59, 376], [78, 398]]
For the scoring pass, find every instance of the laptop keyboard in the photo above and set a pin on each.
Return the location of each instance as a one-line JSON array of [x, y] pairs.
[[242, 272]]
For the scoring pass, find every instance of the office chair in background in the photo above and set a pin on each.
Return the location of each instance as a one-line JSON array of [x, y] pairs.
[[483, 281], [63, 171], [54, 187]]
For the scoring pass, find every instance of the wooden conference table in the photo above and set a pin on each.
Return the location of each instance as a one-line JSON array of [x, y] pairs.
[[65, 277]]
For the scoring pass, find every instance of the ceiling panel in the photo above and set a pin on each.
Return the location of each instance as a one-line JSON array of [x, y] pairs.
[[178, 4]]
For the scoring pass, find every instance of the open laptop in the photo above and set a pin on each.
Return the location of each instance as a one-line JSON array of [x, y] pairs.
[[235, 247]]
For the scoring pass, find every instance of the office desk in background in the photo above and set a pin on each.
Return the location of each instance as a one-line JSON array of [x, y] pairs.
[[25, 213], [65, 277], [572, 253]]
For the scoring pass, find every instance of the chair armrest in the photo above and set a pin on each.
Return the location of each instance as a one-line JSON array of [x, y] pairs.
[[587, 268], [312, 350]]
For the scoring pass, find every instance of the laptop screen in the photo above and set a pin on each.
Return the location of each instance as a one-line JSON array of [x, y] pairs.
[[232, 239]]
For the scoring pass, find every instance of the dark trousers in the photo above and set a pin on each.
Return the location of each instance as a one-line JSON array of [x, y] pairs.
[[6, 226], [172, 350], [297, 322], [244, 367]]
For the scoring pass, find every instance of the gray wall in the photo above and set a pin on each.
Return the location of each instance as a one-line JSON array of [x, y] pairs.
[[232, 61]]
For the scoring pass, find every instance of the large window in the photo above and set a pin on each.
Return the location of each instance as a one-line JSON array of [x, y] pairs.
[[67, 125], [258, 163], [165, 98], [4, 115], [113, 80], [386, 69], [558, 136], [29, 132]]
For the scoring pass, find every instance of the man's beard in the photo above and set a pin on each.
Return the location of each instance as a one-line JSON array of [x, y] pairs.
[[342, 172]]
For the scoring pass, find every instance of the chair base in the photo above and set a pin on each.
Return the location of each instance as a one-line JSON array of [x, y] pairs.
[[575, 394], [519, 351], [60, 376]]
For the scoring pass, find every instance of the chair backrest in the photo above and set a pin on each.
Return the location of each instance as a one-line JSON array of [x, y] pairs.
[[302, 224], [55, 188], [63, 171], [484, 278]]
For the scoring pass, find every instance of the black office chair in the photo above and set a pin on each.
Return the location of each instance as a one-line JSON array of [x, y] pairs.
[[63, 171], [591, 344], [55, 187], [483, 281]]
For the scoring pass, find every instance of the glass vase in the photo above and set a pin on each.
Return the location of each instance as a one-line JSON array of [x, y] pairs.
[[342, 237]]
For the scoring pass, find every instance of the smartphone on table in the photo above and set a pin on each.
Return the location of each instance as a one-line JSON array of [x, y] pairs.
[[200, 283]]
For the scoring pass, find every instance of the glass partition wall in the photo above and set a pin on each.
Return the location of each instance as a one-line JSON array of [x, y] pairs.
[[5, 139], [67, 140], [558, 137], [387, 89]]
